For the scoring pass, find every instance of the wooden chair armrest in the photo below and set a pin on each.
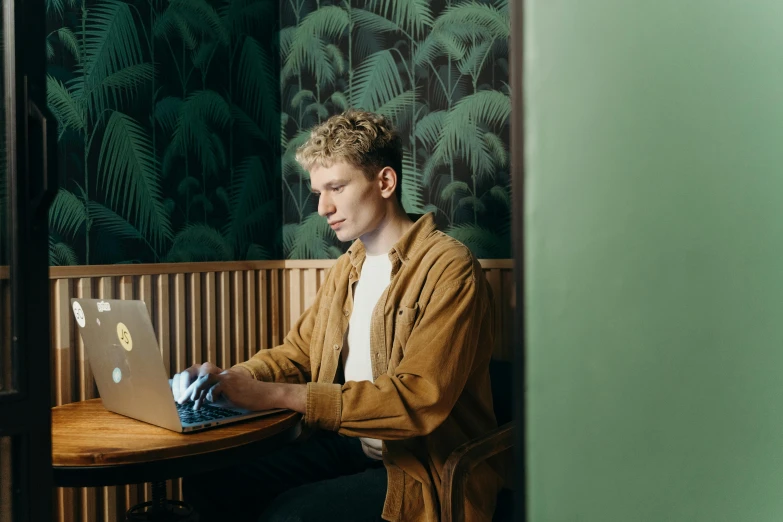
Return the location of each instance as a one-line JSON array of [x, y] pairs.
[[461, 461]]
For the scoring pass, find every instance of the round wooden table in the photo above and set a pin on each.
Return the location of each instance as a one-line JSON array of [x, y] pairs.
[[92, 446]]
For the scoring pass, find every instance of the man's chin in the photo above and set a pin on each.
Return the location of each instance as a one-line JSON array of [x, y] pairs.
[[345, 236]]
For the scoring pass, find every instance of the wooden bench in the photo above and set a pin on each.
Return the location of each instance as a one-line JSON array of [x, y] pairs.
[[218, 312]]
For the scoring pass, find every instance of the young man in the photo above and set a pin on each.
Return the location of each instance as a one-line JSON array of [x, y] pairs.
[[389, 365]]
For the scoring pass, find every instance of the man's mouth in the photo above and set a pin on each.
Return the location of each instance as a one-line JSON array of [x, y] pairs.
[[336, 224]]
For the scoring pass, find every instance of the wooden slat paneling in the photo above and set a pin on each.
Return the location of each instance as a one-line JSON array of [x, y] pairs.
[[85, 383], [208, 310], [311, 284], [162, 320], [61, 334], [179, 340], [295, 297], [237, 318], [145, 292], [275, 307], [224, 320], [263, 309], [195, 347], [251, 319]]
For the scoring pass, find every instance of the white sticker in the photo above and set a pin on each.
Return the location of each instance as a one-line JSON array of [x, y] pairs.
[[78, 313], [124, 336], [116, 375], [103, 306]]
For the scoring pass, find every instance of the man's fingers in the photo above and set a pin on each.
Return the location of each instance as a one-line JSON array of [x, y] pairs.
[[192, 383], [197, 388], [186, 393], [200, 396], [214, 393], [184, 384]]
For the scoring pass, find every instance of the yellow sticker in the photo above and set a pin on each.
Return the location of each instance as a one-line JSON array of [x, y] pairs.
[[124, 336]]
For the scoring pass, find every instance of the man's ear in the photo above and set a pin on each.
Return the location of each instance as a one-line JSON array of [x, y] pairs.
[[387, 180]]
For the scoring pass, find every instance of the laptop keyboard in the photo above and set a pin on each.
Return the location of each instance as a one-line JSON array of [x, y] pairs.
[[205, 413]]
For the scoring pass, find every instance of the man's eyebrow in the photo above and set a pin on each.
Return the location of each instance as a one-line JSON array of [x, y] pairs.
[[330, 183]]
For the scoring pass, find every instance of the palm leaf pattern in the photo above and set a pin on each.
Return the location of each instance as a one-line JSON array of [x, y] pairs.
[[377, 81], [412, 187], [179, 119], [412, 15], [128, 174], [111, 44], [200, 115], [438, 73], [256, 80], [198, 242], [464, 126], [67, 214], [311, 239], [65, 107], [249, 202], [61, 254], [67, 39]]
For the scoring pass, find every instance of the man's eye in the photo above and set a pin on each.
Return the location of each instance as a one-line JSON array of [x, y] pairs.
[[338, 189]]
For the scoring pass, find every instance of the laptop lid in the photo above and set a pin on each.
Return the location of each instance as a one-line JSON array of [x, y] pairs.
[[123, 351]]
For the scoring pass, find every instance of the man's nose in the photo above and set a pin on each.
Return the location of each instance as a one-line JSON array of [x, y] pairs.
[[325, 206]]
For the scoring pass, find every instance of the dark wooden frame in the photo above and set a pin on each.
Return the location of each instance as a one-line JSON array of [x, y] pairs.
[[461, 461], [31, 186]]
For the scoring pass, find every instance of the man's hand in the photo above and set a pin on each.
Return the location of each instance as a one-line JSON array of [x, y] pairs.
[[208, 382], [183, 384]]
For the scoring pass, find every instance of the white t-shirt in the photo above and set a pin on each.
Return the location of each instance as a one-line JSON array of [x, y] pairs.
[[375, 277]]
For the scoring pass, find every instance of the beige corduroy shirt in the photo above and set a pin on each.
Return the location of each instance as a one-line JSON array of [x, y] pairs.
[[431, 339]]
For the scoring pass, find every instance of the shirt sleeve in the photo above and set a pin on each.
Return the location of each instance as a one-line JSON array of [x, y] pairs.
[[289, 362], [421, 392]]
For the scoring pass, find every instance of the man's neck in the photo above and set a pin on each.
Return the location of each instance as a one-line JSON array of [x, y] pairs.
[[391, 229]]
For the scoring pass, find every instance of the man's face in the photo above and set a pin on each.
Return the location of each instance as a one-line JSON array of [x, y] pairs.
[[352, 205]]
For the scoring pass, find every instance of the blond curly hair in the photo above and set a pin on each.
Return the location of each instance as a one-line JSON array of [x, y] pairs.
[[363, 139]]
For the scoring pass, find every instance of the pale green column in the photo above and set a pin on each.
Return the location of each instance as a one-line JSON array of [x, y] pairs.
[[654, 265]]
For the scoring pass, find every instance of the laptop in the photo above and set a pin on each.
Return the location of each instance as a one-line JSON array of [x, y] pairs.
[[129, 372]]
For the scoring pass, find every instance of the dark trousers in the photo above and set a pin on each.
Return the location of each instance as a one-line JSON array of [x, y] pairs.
[[325, 477]]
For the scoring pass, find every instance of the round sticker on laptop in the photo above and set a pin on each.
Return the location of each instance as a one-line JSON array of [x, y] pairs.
[[124, 336], [116, 375], [78, 313]]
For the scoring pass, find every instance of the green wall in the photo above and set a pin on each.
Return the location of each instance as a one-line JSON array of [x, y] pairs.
[[654, 245]]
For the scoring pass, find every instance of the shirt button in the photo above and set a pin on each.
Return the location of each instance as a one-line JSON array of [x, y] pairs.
[[336, 346], [346, 312]]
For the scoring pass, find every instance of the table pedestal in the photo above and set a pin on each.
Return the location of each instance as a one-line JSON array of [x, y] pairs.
[[161, 509]]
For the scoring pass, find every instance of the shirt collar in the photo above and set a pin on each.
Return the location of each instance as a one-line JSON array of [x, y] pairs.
[[405, 246]]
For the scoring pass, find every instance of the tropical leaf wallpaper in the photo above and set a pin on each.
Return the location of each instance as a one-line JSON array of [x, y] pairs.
[[178, 121]]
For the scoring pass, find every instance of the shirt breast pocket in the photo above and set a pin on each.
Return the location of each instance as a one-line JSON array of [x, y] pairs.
[[403, 323]]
